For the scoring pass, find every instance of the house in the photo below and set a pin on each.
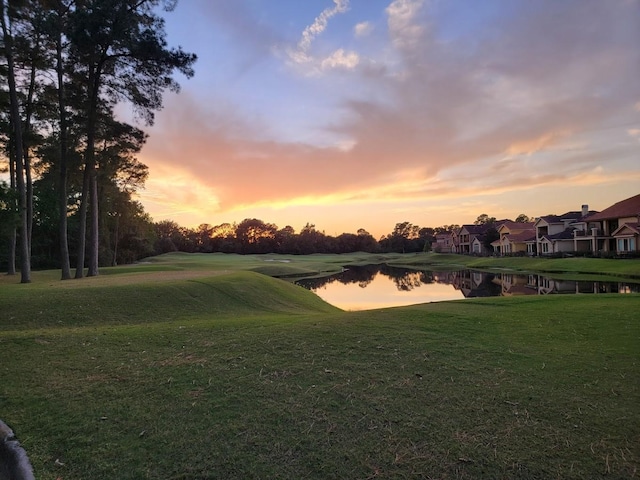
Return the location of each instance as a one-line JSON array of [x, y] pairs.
[[556, 233], [515, 238], [466, 234], [470, 239], [444, 243], [616, 228]]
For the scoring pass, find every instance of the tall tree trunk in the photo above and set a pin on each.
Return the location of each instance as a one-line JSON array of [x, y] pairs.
[[27, 153], [115, 246], [25, 257], [82, 227], [65, 265], [90, 180], [11, 268], [90, 158], [94, 239]]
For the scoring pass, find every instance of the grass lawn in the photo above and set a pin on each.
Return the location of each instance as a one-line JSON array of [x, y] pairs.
[[198, 368]]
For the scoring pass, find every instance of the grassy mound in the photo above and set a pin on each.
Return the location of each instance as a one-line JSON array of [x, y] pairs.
[[136, 299]]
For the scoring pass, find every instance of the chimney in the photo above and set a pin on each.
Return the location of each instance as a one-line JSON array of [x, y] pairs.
[[585, 210]]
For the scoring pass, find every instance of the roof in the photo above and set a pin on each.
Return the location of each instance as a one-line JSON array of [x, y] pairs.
[[566, 216], [550, 219], [517, 225], [571, 215], [625, 208], [633, 227], [564, 235], [475, 229], [522, 237]]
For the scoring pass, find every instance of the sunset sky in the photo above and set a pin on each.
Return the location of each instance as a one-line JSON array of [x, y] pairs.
[[356, 114]]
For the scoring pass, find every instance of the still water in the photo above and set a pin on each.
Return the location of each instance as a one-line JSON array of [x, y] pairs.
[[379, 286]]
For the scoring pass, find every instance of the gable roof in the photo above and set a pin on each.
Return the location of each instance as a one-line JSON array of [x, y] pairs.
[[632, 228], [549, 219], [625, 208]]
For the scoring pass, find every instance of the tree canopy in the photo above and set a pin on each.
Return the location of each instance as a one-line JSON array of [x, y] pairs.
[[72, 164]]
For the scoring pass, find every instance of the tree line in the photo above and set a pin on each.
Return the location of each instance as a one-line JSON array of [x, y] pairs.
[[256, 236], [65, 65]]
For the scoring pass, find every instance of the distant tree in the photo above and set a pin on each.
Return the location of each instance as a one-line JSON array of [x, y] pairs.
[[223, 238], [427, 236], [447, 228], [484, 219], [9, 217], [169, 236], [366, 242], [522, 218], [311, 240], [490, 236], [256, 236], [204, 238], [346, 243], [405, 237]]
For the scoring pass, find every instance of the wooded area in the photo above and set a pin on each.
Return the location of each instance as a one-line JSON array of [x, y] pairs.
[[71, 163]]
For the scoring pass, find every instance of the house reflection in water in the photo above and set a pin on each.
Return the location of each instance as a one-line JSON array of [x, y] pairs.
[[478, 284]]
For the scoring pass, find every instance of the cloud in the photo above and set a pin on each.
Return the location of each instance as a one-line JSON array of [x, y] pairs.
[[362, 29], [402, 18], [340, 58], [301, 54], [531, 146]]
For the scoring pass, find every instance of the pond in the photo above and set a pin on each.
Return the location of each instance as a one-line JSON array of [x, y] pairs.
[[380, 286]]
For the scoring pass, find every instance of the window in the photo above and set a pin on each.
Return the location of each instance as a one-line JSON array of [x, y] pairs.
[[626, 244], [545, 247]]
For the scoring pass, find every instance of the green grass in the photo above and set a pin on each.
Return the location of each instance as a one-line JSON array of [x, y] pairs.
[[192, 367]]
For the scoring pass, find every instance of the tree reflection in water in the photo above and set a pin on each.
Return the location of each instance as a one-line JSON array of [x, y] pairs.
[[404, 279]]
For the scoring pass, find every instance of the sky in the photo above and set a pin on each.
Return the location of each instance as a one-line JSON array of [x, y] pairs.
[[351, 114]]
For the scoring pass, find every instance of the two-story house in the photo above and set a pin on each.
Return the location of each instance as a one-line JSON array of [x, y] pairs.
[[555, 233], [470, 239], [616, 228], [515, 238]]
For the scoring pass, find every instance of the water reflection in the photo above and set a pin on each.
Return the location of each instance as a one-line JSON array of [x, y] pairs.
[[379, 286]]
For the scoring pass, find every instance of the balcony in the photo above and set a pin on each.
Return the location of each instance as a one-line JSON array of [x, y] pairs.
[[593, 232]]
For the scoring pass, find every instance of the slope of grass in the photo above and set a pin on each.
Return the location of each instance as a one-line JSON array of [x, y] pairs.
[[194, 373], [117, 301]]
